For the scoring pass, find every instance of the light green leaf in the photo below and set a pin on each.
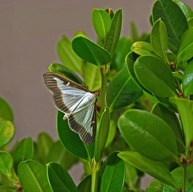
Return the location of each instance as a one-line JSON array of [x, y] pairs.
[[185, 109], [153, 168], [114, 33], [159, 39], [155, 76], [5, 110], [92, 76], [67, 55], [102, 23], [148, 135], [155, 186], [59, 179], [174, 20], [142, 48], [90, 51], [6, 132], [102, 134], [33, 177], [113, 175], [185, 48]]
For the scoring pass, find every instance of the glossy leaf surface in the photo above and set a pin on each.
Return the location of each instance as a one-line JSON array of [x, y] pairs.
[[59, 179], [122, 90], [174, 20], [153, 168], [155, 76], [33, 177], [148, 135], [113, 175], [6, 131], [90, 51]]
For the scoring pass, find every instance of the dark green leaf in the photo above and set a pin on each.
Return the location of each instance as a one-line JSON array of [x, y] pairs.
[[5, 110], [186, 46], [153, 168], [59, 179], [6, 167], [187, 80], [159, 39], [6, 132], [24, 150], [90, 51], [85, 185], [114, 33], [102, 134], [174, 20], [33, 177], [142, 48], [61, 69], [67, 55], [185, 109], [123, 48], [69, 139], [122, 90], [171, 119], [148, 135], [60, 155], [113, 175], [102, 23], [155, 76], [92, 76]]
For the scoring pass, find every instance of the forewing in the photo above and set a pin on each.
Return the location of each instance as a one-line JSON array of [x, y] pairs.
[[66, 93]]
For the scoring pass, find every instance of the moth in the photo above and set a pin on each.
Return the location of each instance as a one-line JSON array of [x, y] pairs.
[[76, 102]]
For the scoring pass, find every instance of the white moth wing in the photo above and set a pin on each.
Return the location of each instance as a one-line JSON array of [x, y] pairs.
[[76, 102]]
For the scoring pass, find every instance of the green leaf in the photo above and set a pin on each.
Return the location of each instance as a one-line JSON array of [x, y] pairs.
[[102, 134], [155, 186], [6, 132], [5, 110], [187, 79], [85, 185], [60, 155], [174, 20], [33, 177], [67, 55], [6, 167], [185, 109], [148, 135], [90, 51], [155, 76], [159, 39], [69, 139], [92, 76], [59, 179], [178, 175], [153, 168], [122, 90], [171, 119], [186, 46], [102, 23], [186, 9], [113, 175], [114, 33], [43, 146], [123, 48], [61, 69], [142, 48], [23, 150]]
